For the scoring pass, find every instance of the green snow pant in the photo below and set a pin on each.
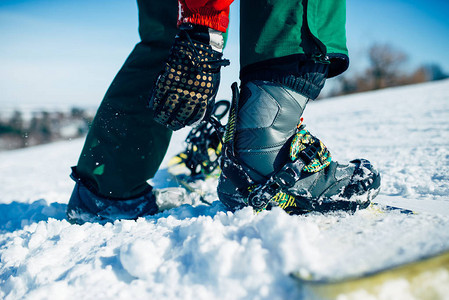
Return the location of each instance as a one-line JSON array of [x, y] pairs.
[[278, 28], [124, 147]]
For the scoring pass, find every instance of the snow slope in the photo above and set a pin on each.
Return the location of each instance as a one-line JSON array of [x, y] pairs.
[[204, 252]]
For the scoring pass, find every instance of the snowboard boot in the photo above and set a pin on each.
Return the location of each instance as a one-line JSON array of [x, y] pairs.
[[270, 159], [86, 206]]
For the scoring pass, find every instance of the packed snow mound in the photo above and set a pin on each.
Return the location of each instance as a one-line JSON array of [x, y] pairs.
[[206, 252]]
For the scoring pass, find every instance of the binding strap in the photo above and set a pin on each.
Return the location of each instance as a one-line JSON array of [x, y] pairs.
[[308, 155]]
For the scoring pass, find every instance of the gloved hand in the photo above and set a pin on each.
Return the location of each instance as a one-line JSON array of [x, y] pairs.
[[184, 93]]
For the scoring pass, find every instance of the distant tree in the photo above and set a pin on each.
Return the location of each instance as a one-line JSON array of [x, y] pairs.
[[77, 113], [385, 64], [346, 85], [43, 127], [435, 72], [420, 75], [46, 128], [16, 122]]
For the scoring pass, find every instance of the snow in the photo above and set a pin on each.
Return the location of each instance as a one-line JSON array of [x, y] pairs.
[[205, 252]]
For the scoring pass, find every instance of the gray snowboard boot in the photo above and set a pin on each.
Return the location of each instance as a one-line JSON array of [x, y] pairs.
[[270, 159]]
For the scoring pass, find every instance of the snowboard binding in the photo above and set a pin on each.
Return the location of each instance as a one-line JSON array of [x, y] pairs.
[[203, 143]]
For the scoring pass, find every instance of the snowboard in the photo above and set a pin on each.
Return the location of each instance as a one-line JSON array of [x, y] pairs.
[[194, 172], [423, 278], [183, 188]]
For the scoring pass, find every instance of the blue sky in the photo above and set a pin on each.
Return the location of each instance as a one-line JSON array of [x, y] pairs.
[[67, 51], [418, 28]]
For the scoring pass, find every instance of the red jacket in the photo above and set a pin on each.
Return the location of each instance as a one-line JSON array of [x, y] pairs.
[[211, 13]]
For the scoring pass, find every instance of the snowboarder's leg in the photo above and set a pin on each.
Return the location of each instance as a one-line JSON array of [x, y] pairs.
[[269, 158], [280, 29], [124, 146]]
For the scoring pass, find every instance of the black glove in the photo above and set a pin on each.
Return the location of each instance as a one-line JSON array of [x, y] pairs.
[[184, 93]]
